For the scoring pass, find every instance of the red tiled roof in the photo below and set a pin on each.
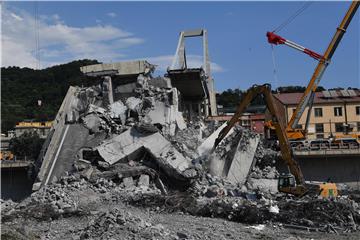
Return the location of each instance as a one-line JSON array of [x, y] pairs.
[[294, 98]]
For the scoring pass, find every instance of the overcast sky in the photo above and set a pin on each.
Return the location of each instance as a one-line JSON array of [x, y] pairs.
[[240, 54]]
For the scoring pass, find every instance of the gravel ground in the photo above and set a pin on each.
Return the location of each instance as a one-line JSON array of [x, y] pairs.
[[109, 216], [157, 226]]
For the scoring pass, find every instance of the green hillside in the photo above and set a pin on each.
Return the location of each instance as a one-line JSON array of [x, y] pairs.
[[21, 88]]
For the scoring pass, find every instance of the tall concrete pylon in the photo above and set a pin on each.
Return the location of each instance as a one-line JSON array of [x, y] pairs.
[[180, 62]]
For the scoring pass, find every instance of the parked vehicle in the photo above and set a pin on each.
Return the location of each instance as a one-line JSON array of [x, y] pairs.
[[318, 144], [347, 142]]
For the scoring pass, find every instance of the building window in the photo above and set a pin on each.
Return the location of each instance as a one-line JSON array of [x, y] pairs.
[[357, 110], [358, 126], [319, 136], [319, 127], [337, 111], [293, 110], [339, 127], [318, 112], [245, 123]]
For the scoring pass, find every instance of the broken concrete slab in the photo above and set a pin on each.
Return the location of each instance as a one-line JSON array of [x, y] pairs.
[[120, 146], [95, 109], [118, 111], [118, 68], [144, 180], [234, 157], [264, 185], [87, 173], [166, 115], [93, 122], [125, 89], [243, 160], [180, 122], [208, 144], [59, 130], [146, 128], [128, 182], [161, 82], [133, 103], [159, 114], [131, 142], [123, 170]]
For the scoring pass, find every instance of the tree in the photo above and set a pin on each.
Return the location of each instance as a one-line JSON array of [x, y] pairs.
[[21, 88], [294, 89], [229, 98], [27, 145]]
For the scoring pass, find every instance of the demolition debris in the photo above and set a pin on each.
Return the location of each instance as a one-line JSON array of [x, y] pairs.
[[109, 151]]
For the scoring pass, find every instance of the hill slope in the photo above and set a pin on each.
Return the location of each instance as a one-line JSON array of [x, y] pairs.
[[21, 88]]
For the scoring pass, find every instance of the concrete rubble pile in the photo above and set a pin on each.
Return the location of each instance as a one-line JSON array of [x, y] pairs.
[[336, 216], [131, 136], [138, 150], [104, 196], [119, 222], [77, 198]]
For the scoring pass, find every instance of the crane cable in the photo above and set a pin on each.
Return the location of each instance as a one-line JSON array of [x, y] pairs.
[[274, 67], [37, 37], [292, 17], [280, 27]]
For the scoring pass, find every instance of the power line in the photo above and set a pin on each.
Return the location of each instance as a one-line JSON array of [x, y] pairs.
[[292, 17], [274, 67], [37, 35]]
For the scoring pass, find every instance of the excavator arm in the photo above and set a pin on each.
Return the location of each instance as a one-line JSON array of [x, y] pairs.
[[279, 125]]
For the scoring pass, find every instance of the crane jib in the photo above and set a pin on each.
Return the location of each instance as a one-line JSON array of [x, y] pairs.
[[323, 61]]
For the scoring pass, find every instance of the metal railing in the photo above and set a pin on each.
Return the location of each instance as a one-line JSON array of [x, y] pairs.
[[325, 146]]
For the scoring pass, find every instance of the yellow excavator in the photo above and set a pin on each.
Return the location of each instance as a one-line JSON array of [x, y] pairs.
[[293, 183], [292, 129]]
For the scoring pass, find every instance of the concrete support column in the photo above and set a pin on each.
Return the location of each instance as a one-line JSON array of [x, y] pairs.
[[206, 107], [191, 113], [200, 109], [107, 89]]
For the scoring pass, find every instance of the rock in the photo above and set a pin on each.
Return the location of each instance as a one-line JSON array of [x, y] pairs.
[[133, 103], [104, 165], [87, 173], [146, 128], [128, 182], [212, 191], [144, 180], [181, 235], [274, 209], [118, 111]]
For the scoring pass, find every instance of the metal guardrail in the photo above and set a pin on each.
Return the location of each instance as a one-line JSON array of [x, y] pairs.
[[14, 164], [322, 147], [327, 151]]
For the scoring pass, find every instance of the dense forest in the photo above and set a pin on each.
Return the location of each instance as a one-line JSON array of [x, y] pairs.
[[21, 88]]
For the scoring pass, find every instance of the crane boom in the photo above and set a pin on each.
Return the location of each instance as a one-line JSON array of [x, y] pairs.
[[323, 63], [324, 60], [276, 39]]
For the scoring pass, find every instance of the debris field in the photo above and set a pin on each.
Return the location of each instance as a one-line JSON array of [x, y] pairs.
[[146, 172]]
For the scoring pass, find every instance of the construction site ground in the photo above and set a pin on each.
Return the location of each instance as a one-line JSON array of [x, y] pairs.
[[146, 223], [105, 210]]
